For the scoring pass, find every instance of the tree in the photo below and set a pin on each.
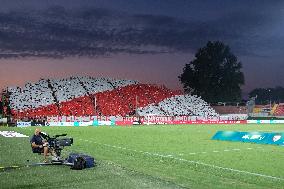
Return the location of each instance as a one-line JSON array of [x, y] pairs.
[[268, 95], [215, 74]]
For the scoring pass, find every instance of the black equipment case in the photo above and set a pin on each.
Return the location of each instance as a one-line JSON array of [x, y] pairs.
[[90, 161]]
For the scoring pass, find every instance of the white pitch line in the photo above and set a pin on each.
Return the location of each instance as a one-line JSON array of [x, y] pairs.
[[192, 153], [230, 169], [198, 163], [215, 151]]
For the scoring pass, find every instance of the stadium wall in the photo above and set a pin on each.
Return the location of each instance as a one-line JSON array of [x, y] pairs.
[[124, 121]]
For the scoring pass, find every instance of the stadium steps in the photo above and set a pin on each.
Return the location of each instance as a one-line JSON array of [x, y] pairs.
[[121, 100], [256, 110], [164, 111], [93, 100], [5, 107], [54, 96], [111, 84], [273, 109], [6, 103], [279, 110]]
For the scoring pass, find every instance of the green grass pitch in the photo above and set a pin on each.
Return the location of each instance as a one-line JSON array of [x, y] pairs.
[[169, 156]]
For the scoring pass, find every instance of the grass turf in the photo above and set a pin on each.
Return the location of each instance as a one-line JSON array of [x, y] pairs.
[[171, 156]]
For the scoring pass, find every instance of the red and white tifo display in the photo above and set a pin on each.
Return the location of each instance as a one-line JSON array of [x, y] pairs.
[[87, 96]]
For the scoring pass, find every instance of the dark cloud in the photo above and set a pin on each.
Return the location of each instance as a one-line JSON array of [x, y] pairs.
[[59, 32]]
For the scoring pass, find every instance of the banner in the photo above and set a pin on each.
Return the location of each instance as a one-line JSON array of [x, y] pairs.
[[59, 124], [123, 123], [24, 124], [253, 137], [90, 123], [38, 123], [105, 123], [265, 121]]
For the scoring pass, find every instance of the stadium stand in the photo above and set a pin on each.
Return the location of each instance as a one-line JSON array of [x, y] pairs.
[[125, 100], [77, 107], [32, 95], [264, 110], [279, 110], [83, 96], [179, 105], [230, 109], [257, 110], [67, 89], [272, 112], [95, 85]]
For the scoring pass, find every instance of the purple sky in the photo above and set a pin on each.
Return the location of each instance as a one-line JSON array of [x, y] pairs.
[[145, 40], [157, 69]]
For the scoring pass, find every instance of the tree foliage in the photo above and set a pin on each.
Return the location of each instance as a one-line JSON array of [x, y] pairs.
[[215, 74], [267, 95]]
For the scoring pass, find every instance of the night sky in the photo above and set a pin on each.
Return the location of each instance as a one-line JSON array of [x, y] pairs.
[[145, 40]]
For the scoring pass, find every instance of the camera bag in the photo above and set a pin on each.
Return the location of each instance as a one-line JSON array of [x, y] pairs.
[[79, 163], [89, 161]]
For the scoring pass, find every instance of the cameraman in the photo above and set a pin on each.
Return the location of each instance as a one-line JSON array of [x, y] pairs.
[[39, 145]]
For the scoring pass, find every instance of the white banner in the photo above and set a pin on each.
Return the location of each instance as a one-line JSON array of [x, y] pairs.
[[265, 121], [11, 134], [104, 122], [59, 123], [90, 123]]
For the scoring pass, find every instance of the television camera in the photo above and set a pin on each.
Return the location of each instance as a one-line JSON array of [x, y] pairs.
[[56, 144]]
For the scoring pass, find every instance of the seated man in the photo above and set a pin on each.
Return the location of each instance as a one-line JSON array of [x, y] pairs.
[[39, 145]]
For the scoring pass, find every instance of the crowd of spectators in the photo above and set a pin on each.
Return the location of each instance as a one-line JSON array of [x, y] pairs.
[[32, 95], [67, 89], [179, 105], [80, 96], [95, 85], [68, 96], [125, 100]]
